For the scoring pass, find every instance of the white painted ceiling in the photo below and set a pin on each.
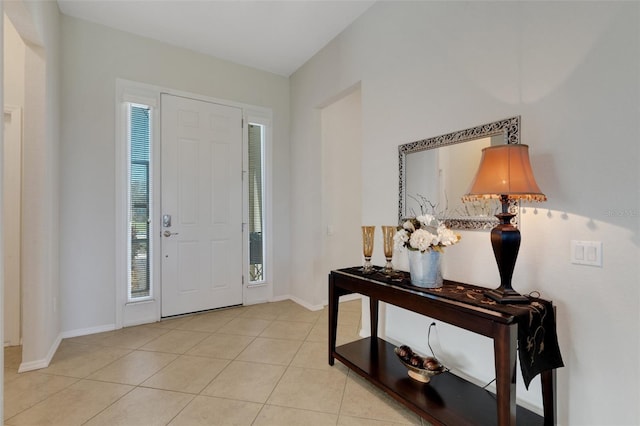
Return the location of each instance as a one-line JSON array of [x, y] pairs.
[[274, 36]]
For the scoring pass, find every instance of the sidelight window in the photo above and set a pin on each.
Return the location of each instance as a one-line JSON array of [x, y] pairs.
[[256, 203], [139, 201]]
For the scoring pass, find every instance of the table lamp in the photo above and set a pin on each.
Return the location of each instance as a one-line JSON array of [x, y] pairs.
[[505, 173]]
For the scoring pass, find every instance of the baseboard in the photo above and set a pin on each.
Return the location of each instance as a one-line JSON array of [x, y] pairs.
[[257, 302], [306, 305], [279, 298], [298, 301], [84, 331], [9, 344], [345, 298], [41, 363]]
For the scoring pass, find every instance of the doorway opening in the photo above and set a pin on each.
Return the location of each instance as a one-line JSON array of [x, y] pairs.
[[14, 100], [342, 180]]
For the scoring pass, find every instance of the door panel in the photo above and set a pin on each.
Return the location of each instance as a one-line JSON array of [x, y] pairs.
[[202, 191]]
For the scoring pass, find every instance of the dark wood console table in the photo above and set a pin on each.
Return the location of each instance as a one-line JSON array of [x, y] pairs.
[[448, 399]]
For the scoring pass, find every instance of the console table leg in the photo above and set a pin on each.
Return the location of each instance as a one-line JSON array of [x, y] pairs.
[[373, 312], [333, 318], [373, 317], [548, 397], [504, 344]]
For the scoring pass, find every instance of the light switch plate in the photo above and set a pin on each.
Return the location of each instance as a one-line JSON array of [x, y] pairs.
[[586, 253]]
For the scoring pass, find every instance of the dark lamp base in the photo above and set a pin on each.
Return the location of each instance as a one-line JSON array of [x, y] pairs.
[[502, 295]]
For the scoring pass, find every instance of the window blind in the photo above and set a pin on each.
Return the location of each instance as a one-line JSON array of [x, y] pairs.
[[139, 208]]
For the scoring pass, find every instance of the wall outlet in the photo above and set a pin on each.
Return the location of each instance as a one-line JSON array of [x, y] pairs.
[[586, 253]]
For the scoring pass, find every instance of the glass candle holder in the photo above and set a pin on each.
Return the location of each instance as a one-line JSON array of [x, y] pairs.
[[367, 248], [387, 236]]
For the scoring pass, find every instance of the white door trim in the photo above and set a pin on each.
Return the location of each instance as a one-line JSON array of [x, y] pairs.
[[12, 305], [128, 314], [262, 292]]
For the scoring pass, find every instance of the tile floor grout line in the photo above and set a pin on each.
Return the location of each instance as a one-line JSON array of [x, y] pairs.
[[282, 376], [110, 363], [288, 315], [45, 398], [266, 400], [105, 408], [344, 392], [193, 398], [253, 422], [229, 361]]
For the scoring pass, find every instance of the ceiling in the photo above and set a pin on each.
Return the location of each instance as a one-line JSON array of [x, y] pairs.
[[274, 36]]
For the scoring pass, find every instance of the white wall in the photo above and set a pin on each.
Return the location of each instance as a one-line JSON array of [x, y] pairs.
[[94, 57], [37, 23], [14, 52], [571, 71]]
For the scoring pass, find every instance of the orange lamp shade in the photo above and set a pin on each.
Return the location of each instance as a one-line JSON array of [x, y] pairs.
[[505, 170]]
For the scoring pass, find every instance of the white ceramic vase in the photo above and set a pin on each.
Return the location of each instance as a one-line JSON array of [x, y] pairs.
[[424, 268]]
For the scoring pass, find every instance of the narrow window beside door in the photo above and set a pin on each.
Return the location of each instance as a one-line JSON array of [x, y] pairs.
[[256, 203], [139, 208]]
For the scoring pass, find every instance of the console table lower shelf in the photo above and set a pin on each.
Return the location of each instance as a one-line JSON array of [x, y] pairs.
[[447, 400]]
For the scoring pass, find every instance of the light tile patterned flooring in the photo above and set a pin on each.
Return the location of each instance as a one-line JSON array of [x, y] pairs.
[[256, 365]]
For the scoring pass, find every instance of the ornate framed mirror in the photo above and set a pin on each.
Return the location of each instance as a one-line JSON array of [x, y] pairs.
[[436, 172]]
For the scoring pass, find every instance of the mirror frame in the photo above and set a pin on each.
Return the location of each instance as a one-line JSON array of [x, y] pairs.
[[509, 128]]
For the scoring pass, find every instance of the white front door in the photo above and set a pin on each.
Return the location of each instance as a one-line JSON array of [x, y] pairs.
[[201, 205]]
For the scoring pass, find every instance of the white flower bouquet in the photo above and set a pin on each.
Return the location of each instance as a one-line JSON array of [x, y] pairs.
[[424, 233]]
